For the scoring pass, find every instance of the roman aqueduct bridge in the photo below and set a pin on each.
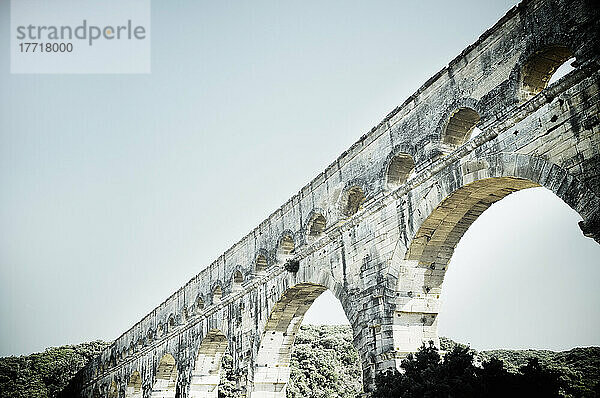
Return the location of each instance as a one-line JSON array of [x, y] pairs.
[[379, 225]]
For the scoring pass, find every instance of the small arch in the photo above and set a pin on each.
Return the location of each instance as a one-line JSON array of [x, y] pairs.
[[286, 246], [238, 279], [540, 67], [206, 374], [199, 304], [170, 323], [316, 225], [165, 380], [217, 294], [460, 126], [399, 169], [261, 264], [134, 386], [354, 199]]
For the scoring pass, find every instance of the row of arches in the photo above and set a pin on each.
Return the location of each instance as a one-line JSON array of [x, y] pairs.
[[285, 250], [462, 123], [460, 127], [271, 365]]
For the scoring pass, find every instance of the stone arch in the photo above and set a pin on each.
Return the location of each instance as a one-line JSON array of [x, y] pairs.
[[113, 390], [464, 193], [316, 224], [165, 379], [134, 386], [199, 304], [237, 280], [206, 374], [171, 323], [272, 363], [398, 169], [286, 246], [217, 293], [459, 126], [238, 277], [261, 262], [539, 68], [352, 200]]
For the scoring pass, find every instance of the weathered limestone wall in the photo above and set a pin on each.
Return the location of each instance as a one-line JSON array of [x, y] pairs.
[[379, 225]]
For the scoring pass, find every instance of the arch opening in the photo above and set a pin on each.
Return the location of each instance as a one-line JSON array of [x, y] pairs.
[[540, 67], [355, 197], [217, 295], [134, 386], [400, 168], [460, 126], [199, 304], [170, 323], [317, 225], [272, 370], [238, 279], [165, 380], [523, 251], [207, 366], [286, 247], [427, 257], [260, 264]]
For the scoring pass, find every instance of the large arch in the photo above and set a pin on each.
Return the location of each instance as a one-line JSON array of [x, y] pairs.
[[462, 197], [165, 380], [272, 363], [207, 366]]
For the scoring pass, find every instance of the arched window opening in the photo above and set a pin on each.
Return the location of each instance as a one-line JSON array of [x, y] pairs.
[[165, 380], [171, 323], [354, 199], [217, 295], [199, 304], [400, 168], [279, 346], [286, 247], [134, 387], [316, 225], [113, 391], [238, 279], [460, 126], [538, 71], [261, 264], [207, 367]]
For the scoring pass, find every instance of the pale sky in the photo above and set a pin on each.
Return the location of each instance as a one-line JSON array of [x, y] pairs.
[[118, 189]]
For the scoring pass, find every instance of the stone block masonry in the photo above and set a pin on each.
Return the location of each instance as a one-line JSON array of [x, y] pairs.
[[379, 225]]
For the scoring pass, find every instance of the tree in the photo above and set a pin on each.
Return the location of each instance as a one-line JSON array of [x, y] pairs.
[[427, 375]]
